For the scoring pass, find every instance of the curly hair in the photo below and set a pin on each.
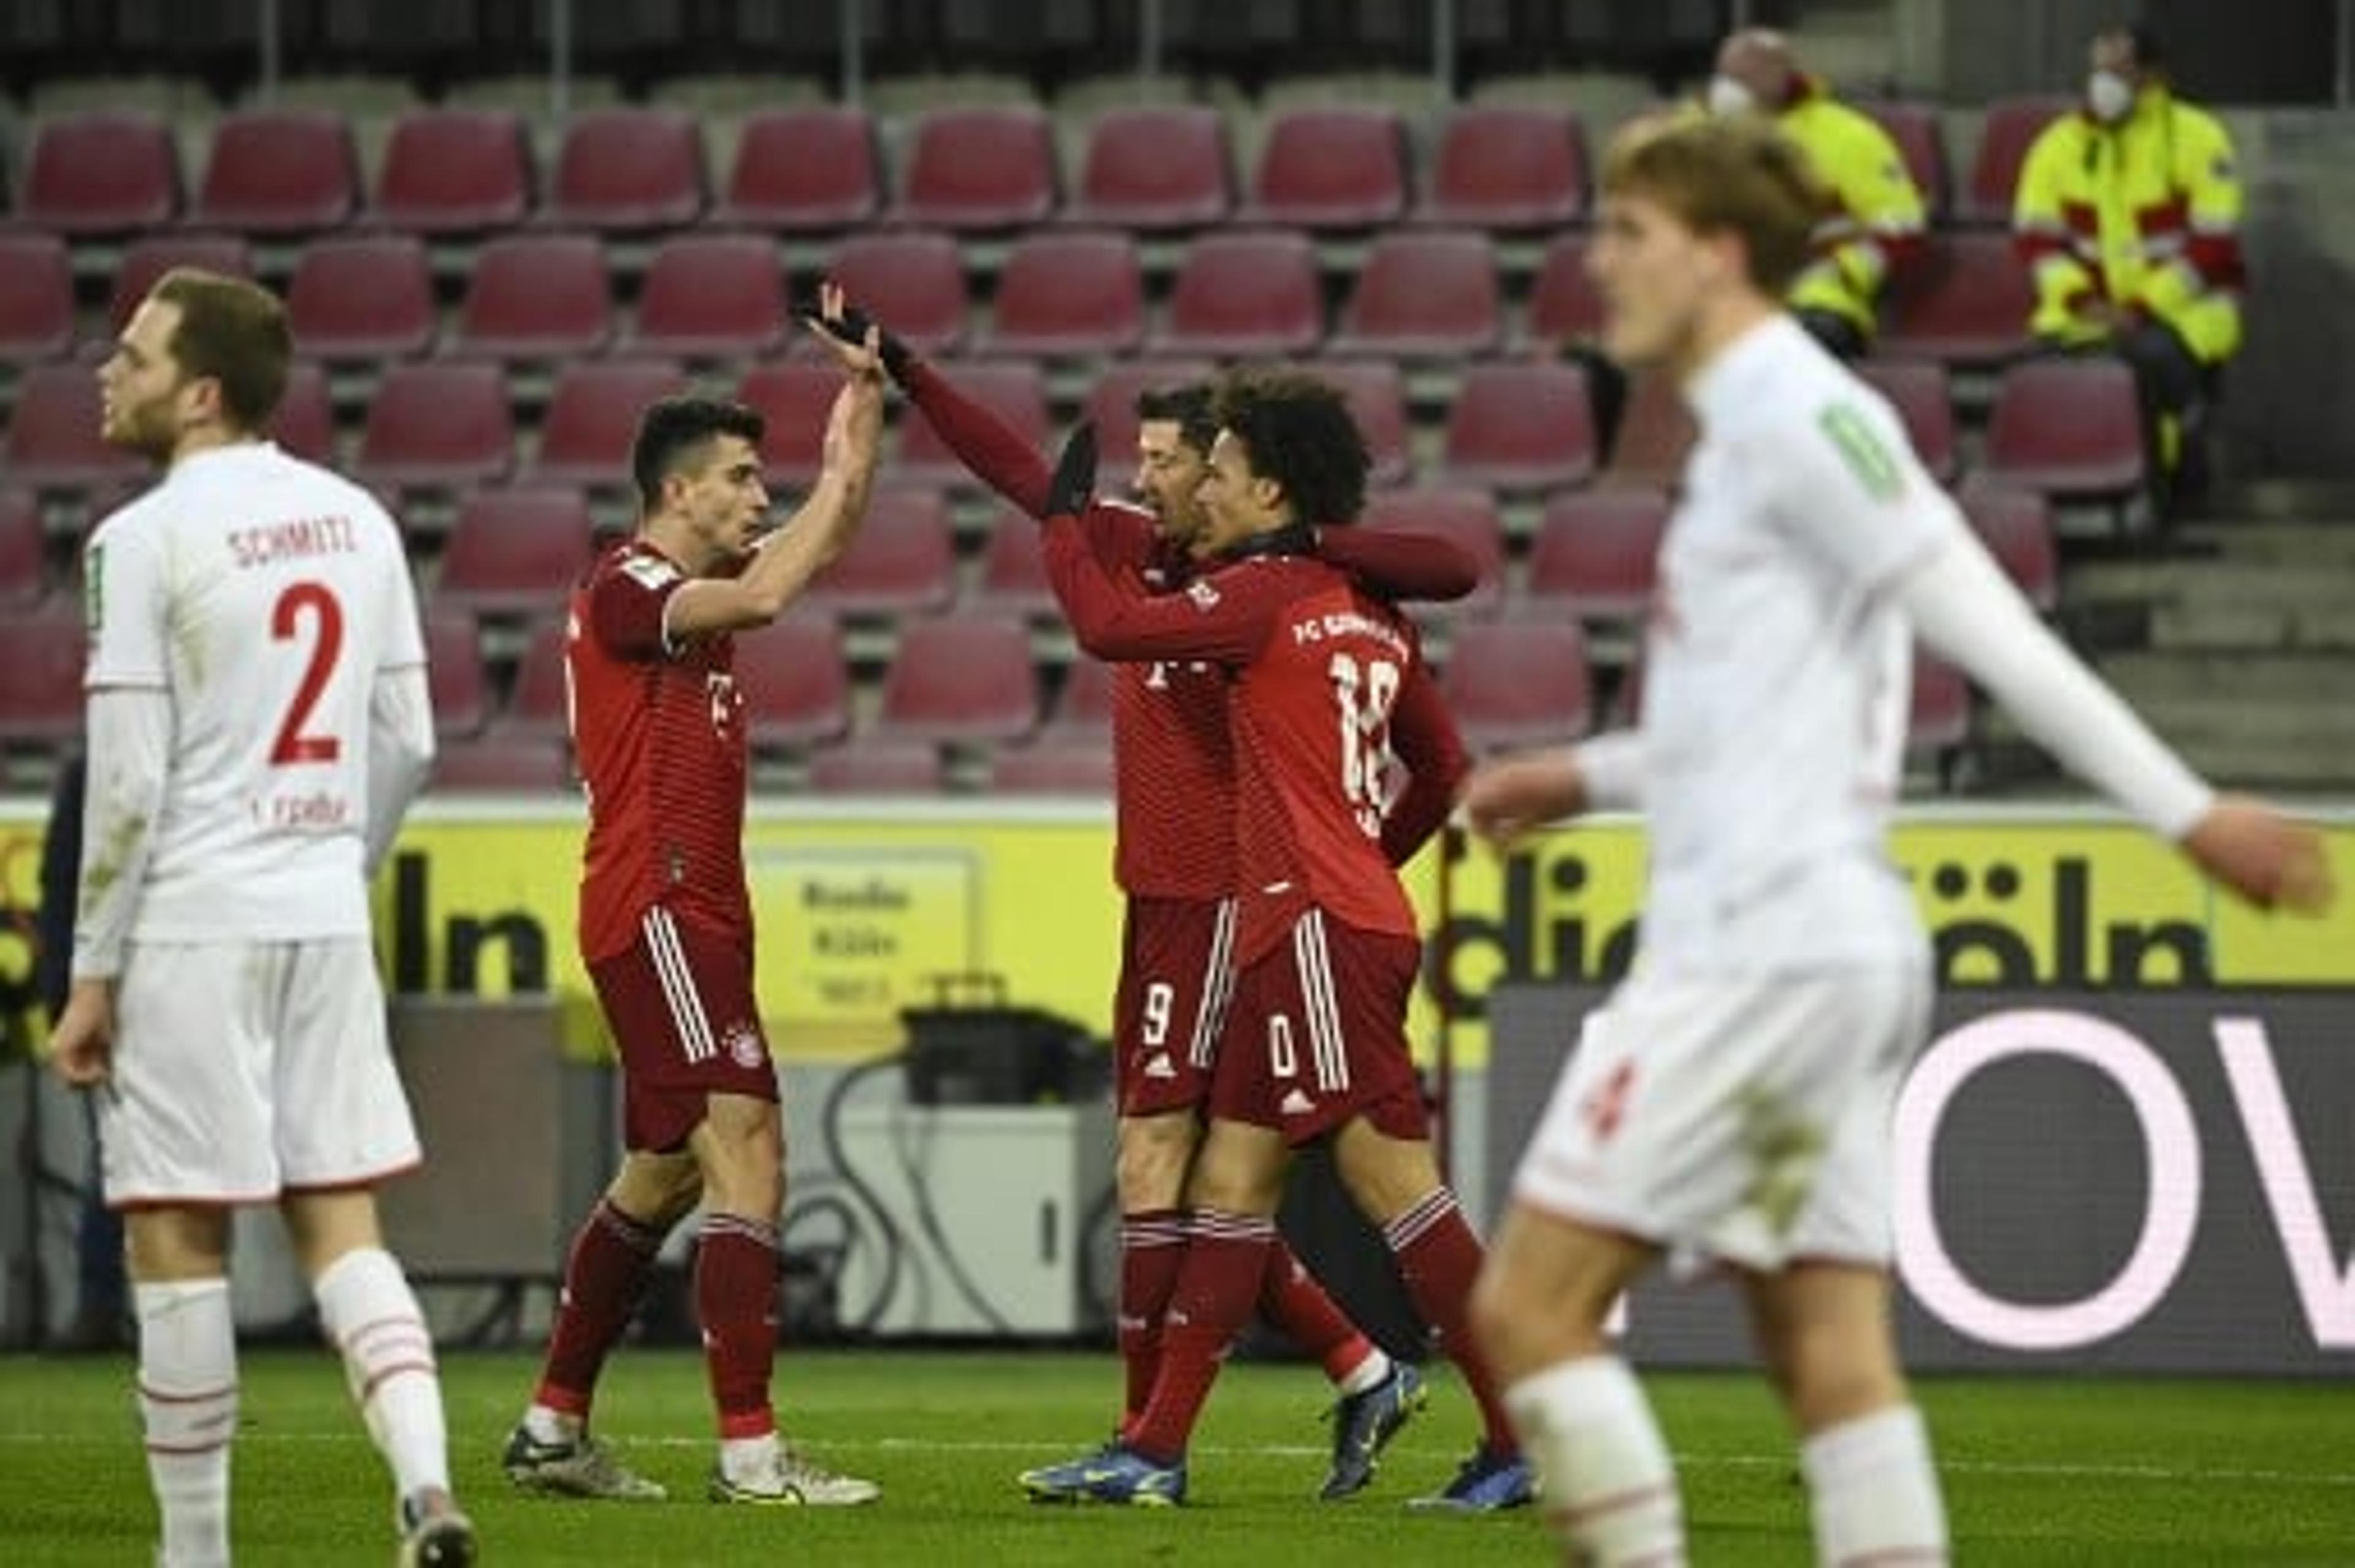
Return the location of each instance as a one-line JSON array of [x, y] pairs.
[[1299, 433]]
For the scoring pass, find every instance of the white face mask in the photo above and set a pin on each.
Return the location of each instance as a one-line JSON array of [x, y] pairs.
[[1727, 96], [2109, 95]]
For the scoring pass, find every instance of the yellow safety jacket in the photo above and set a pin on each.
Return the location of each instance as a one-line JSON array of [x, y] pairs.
[[2144, 213], [1872, 218]]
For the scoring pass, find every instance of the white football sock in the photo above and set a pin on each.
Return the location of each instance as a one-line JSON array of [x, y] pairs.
[[368, 1310], [1609, 1489], [749, 1461], [188, 1401], [1874, 1488]]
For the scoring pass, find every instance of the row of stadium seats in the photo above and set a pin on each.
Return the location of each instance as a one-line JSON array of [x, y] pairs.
[[2067, 428], [279, 172], [1417, 295]]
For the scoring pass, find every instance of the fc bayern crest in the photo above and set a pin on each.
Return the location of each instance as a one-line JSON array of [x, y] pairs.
[[744, 1044]]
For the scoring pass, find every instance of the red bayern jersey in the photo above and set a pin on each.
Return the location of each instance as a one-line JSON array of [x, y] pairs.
[[659, 732], [1330, 701]]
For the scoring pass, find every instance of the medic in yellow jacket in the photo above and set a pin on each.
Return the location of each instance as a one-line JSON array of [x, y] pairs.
[[2128, 211]]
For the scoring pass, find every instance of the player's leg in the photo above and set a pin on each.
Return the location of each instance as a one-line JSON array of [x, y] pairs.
[[606, 1271], [1540, 1310], [1872, 1484], [1153, 1155], [342, 1124], [178, 1265]]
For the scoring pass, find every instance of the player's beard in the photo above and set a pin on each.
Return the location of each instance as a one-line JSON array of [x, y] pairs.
[[144, 428]]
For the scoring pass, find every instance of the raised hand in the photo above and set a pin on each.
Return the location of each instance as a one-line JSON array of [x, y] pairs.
[[1074, 483], [843, 324]]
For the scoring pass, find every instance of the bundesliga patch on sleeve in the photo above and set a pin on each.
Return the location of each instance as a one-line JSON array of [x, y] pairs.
[[1875, 469], [93, 588], [1203, 593], [651, 571]]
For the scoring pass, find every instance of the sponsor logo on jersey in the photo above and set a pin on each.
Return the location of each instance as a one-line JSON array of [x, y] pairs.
[[744, 1044]]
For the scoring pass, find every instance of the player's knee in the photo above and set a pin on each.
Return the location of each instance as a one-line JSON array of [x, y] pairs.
[[1153, 1155]]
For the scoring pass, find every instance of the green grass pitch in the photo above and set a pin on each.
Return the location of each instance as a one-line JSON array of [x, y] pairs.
[[2048, 1470]]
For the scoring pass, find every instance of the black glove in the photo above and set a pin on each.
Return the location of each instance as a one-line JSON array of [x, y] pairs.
[[851, 327], [1075, 475]]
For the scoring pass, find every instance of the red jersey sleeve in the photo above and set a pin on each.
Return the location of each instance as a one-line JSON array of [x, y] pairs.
[[1424, 739], [1224, 618], [626, 602], [995, 453], [1395, 564]]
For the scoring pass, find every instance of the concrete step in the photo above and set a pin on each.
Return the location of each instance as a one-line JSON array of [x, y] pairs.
[[2318, 684], [2310, 545]]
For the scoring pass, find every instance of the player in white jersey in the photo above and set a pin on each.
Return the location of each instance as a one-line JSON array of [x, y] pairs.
[[258, 722], [1731, 1102]]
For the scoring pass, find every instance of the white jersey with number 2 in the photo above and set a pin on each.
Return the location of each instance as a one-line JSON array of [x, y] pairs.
[[264, 594], [1778, 669]]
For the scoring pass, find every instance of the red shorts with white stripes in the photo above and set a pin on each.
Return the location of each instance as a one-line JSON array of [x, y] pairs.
[[679, 999], [1318, 1035], [1177, 978]]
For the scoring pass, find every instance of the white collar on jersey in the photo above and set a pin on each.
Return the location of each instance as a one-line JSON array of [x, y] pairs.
[[1742, 373]]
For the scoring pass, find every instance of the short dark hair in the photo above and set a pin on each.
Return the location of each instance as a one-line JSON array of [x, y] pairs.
[[674, 430], [233, 331], [2149, 47], [1299, 433], [1187, 407]]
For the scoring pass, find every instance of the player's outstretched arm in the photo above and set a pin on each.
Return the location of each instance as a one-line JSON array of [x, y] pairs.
[[1505, 799], [1398, 564], [2272, 859], [399, 753]]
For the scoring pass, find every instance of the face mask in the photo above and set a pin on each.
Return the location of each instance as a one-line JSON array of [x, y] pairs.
[[2109, 96], [1727, 96]]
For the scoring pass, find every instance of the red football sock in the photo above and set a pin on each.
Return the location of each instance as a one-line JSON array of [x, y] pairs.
[[1439, 1257], [1152, 1247], [1290, 1297], [1225, 1257], [736, 1298], [613, 1254]]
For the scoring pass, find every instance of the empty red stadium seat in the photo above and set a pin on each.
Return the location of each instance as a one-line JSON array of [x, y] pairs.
[[24, 552], [803, 169], [960, 680], [712, 296], [53, 441], [1505, 167], [1966, 300], [536, 706], [1156, 167], [2009, 128], [1331, 168], [991, 166], [1111, 407], [536, 297], [36, 297], [1596, 555], [795, 682], [499, 762], [621, 169], [1069, 295], [363, 296], [1938, 720], [1922, 143], [304, 423], [593, 418], [1514, 684], [1464, 515], [42, 659], [903, 560], [1053, 767], [514, 551], [1013, 578], [438, 424], [914, 283], [460, 689], [1424, 295], [146, 260], [279, 171], [1656, 434], [1563, 305], [1925, 399], [2067, 427], [1376, 391], [454, 171], [1083, 706], [1015, 391], [1522, 427], [2016, 526], [105, 172], [882, 767], [794, 396], [1245, 294]]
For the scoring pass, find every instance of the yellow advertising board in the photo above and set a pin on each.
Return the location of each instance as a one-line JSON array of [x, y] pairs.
[[864, 911]]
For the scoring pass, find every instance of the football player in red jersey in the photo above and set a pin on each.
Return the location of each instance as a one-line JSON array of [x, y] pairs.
[[1344, 760], [666, 925]]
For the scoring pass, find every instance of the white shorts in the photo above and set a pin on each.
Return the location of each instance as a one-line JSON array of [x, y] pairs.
[[246, 1069], [1743, 1118]]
